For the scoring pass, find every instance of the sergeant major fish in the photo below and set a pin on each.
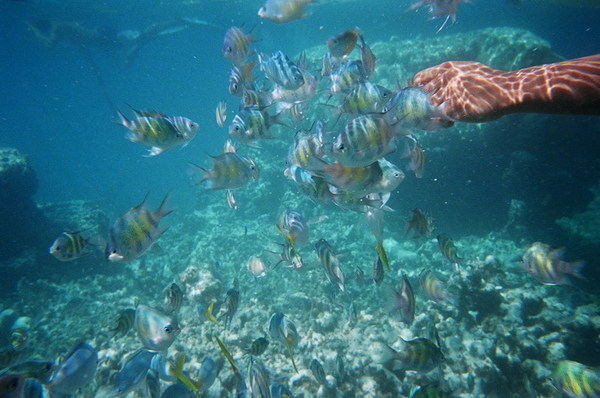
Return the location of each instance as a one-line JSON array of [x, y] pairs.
[[281, 70], [134, 232], [421, 355], [448, 248], [576, 380], [440, 9], [237, 45], [330, 263], [230, 171], [411, 107], [159, 131], [294, 228], [251, 125], [547, 266], [134, 372], [71, 246], [433, 287]]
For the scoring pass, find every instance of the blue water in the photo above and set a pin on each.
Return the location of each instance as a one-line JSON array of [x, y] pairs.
[[53, 108]]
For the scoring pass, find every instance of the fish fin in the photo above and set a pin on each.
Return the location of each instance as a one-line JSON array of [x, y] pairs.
[[288, 343], [123, 121], [574, 268], [209, 313], [206, 174], [383, 256], [227, 355], [161, 212], [154, 151], [195, 386]]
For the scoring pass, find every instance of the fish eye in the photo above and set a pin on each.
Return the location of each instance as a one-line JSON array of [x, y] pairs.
[[168, 329], [114, 252]]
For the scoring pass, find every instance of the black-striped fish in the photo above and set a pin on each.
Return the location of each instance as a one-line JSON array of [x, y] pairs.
[[231, 200], [70, 246], [237, 45], [411, 107], [330, 263], [221, 113], [343, 43], [285, 97], [365, 98], [318, 372], [547, 266], [135, 231], [173, 298], [307, 151], [293, 227], [230, 171], [404, 301], [241, 78], [159, 131], [232, 303], [258, 346], [364, 140], [360, 181], [251, 125], [420, 225], [259, 379], [433, 287], [378, 272], [361, 204], [575, 380], [123, 323], [421, 355], [284, 11], [281, 70], [347, 77], [416, 155], [448, 248], [288, 255]]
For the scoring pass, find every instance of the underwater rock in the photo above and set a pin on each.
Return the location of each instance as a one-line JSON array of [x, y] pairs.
[[585, 226], [20, 217], [201, 286]]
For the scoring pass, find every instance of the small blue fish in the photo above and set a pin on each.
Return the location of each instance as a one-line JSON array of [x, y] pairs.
[[77, 370], [133, 372]]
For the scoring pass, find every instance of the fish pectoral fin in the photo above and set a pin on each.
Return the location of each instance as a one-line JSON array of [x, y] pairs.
[[154, 151]]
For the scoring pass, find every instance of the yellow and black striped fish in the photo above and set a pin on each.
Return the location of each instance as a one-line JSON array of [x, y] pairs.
[[124, 322], [173, 298], [70, 246], [433, 287], [365, 98], [364, 140], [251, 125], [411, 106], [230, 171], [448, 249], [135, 231], [421, 355], [576, 380], [547, 266]]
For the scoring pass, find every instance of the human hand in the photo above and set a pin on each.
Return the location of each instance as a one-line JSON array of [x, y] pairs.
[[469, 91]]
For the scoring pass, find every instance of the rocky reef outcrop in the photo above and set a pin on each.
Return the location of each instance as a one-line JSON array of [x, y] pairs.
[[19, 215]]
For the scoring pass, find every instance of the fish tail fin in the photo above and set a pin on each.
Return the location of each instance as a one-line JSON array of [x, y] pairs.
[[195, 386], [227, 355], [161, 211], [205, 174], [385, 355], [574, 268], [383, 255]]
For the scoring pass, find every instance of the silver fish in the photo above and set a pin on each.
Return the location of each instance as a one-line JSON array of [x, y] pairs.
[[259, 379], [318, 372], [173, 298], [330, 263], [281, 70], [237, 45], [156, 330], [293, 227], [221, 113], [70, 246], [411, 108]]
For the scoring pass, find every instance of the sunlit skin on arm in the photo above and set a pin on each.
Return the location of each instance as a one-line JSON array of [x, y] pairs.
[[473, 92]]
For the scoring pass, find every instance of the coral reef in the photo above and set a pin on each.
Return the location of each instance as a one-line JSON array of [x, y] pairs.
[[585, 225]]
